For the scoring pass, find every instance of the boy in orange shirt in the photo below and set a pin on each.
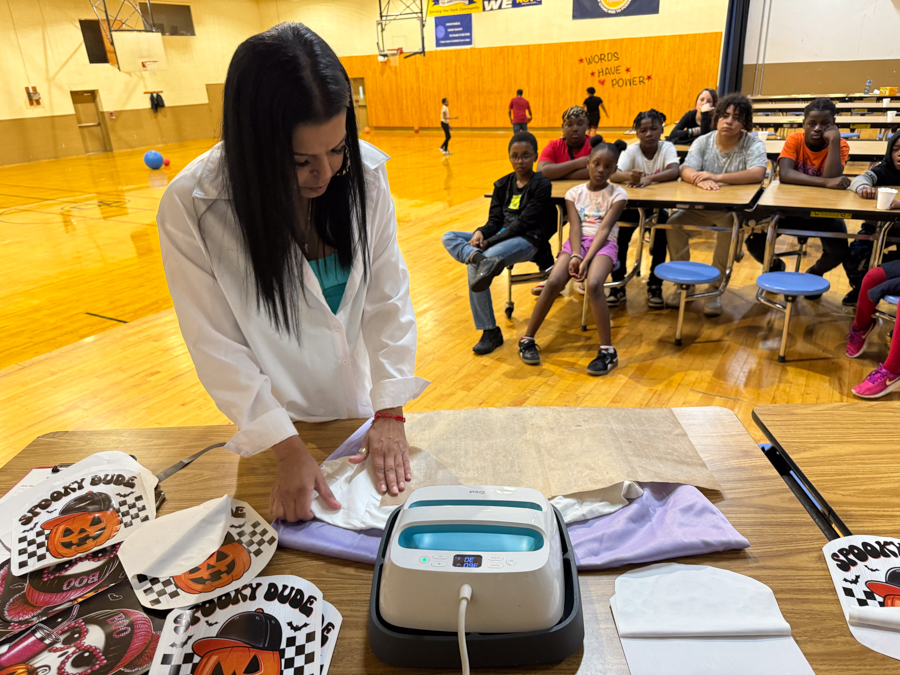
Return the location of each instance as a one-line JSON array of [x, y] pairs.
[[816, 157]]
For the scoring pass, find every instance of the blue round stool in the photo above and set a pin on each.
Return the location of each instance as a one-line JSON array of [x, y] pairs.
[[849, 134], [791, 285], [686, 274]]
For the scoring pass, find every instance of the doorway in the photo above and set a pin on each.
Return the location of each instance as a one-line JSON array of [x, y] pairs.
[[358, 85], [89, 120], [215, 94]]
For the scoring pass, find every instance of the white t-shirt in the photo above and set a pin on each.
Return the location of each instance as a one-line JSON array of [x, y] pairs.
[[633, 159], [445, 114], [593, 207]]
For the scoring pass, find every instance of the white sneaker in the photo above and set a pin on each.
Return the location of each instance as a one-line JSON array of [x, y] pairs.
[[713, 306], [673, 300]]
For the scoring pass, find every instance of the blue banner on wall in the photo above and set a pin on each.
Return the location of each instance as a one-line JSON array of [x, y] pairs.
[[491, 5], [453, 31], [601, 9]]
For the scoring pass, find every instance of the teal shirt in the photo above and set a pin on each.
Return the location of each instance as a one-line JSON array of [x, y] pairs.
[[332, 278]]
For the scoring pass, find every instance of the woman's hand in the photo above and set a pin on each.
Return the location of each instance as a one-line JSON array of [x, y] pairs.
[[706, 107], [386, 444], [298, 476], [477, 241], [867, 192]]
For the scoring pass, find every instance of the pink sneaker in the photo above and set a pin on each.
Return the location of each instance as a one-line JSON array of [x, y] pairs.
[[858, 339], [880, 382]]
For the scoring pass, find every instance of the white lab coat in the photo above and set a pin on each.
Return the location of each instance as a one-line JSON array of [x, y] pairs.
[[344, 366]]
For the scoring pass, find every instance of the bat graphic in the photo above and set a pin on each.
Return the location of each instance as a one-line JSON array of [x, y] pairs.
[[212, 623], [31, 528], [238, 526], [854, 580], [119, 494], [47, 513], [113, 596], [296, 628], [176, 645], [872, 569]]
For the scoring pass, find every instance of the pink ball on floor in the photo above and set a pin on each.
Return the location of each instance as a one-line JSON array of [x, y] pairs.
[[166, 162]]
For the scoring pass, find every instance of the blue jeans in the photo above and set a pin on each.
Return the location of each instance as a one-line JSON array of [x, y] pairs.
[[520, 126], [511, 251]]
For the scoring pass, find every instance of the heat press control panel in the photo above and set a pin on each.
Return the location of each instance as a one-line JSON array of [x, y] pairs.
[[467, 560]]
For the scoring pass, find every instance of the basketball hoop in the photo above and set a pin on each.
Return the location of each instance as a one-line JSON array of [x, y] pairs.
[[150, 67], [394, 56]]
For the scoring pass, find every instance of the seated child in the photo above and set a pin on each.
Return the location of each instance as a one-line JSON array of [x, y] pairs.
[[648, 161], [887, 172], [878, 282], [727, 156], [591, 253], [521, 220], [816, 157]]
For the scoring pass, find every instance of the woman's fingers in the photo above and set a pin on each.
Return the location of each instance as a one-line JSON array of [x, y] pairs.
[[325, 492], [407, 469], [390, 476]]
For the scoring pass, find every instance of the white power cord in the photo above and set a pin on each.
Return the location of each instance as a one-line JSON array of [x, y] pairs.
[[465, 595]]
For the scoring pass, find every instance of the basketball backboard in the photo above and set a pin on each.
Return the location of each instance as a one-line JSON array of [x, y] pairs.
[[134, 48], [401, 26]]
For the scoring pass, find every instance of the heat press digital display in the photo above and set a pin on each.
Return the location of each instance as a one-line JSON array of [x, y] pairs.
[[461, 560]]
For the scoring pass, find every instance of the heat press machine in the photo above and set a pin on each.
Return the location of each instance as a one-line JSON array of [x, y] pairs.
[[494, 561]]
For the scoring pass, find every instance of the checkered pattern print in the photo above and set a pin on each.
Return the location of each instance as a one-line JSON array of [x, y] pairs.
[[297, 657], [179, 663], [133, 510], [254, 536], [157, 589], [863, 596], [32, 548], [299, 653]]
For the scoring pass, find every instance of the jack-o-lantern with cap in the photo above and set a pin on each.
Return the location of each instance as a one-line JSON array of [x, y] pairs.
[[889, 589], [85, 523], [248, 643], [228, 563]]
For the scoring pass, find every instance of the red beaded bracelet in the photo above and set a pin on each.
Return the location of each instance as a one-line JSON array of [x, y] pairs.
[[399, 418]]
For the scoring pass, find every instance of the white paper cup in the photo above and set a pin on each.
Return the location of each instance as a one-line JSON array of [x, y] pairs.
[[885, 198], [762, 135], [885, 102], [891, 115]]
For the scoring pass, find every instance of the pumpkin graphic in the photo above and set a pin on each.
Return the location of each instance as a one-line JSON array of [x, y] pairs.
[[24, 669], [228, 563], [247, 644], [85, 523]]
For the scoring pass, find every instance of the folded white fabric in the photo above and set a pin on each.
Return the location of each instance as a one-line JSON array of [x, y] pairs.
[[885, 618], [198, 553], [354, 487], [697, 620]]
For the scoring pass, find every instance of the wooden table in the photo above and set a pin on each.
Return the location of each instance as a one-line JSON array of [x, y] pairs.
[[843, 121], [810, 97], [678, 194], [813, 202], [859, 150], [845, 456], [794, 107], [785, 550]]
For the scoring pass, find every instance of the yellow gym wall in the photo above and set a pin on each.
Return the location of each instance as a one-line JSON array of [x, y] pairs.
[[41, 45], [535, 48]]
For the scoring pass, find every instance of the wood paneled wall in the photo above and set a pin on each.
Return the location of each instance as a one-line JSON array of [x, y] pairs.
[[630, 75], [822, 76]]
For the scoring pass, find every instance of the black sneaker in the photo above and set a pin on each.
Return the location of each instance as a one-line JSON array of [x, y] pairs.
[[485, 271], [851, 299], [490, 340], [777, 265], [605, 362], [655, 298], [616, 297], [528, 351]]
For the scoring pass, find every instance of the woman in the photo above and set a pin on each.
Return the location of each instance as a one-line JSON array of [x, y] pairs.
[[280, 251], [694, 123]]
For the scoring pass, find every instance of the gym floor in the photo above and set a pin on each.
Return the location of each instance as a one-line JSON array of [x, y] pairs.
[[90, 340]]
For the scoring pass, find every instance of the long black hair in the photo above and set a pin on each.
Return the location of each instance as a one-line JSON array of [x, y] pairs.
[[278, 79]]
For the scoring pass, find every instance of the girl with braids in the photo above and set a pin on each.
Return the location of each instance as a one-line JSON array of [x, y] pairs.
[[280, 250], [648, 161], [591, 253]]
